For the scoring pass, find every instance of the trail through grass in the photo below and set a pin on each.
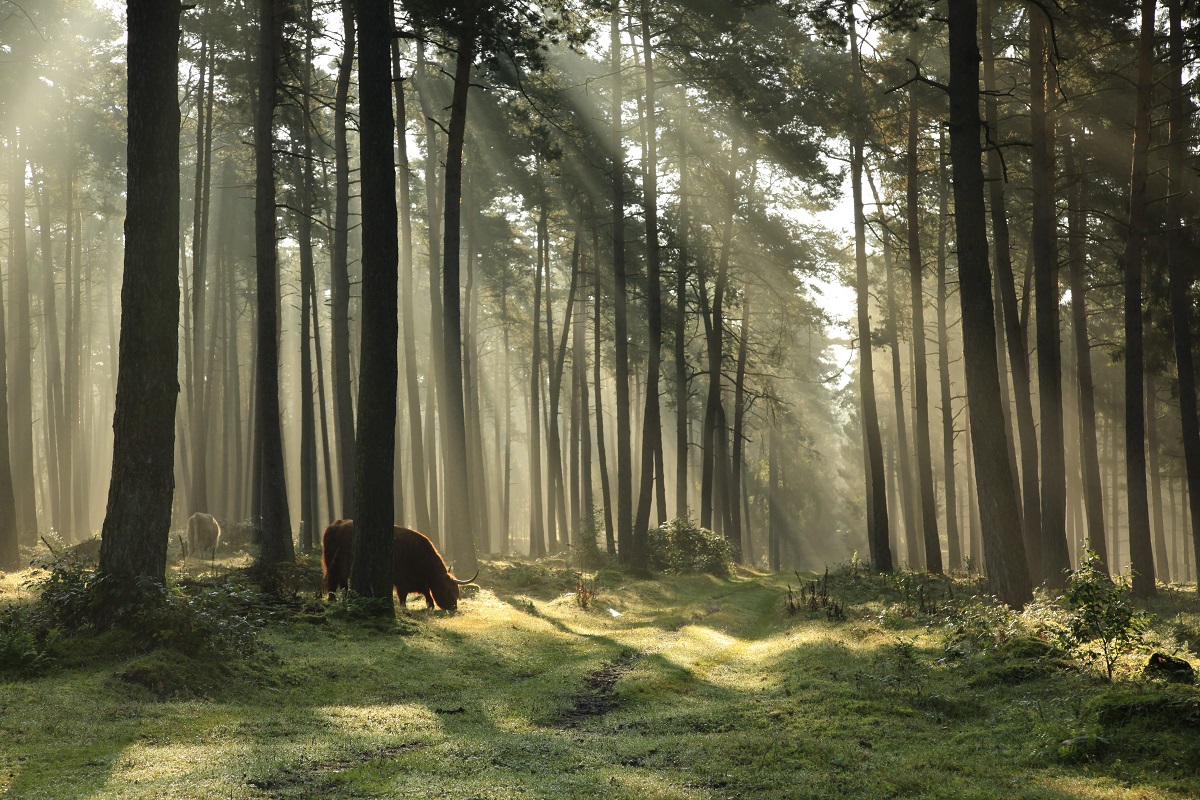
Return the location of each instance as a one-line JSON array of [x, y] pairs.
[[688, 687]]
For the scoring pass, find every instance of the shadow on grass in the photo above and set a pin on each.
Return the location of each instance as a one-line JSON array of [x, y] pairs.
[[471, 705]]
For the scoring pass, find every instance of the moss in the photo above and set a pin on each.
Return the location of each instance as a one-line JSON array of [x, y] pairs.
[[171, 674]]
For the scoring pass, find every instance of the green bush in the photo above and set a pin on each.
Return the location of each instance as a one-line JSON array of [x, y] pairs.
[[681, 546], [75, 600], [25, 649], [1102, 622]]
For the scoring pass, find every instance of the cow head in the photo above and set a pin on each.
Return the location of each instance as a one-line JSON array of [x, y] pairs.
[[446, 592]]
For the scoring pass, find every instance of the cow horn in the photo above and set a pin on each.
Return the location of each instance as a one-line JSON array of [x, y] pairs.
[[469, 580]]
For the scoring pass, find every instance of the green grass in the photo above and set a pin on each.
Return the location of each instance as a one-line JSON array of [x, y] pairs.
[[697, 687]]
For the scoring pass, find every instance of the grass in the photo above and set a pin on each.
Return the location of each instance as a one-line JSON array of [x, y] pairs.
[[681, 687]]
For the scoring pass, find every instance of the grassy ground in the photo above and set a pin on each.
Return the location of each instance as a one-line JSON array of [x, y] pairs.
[[682, 687]]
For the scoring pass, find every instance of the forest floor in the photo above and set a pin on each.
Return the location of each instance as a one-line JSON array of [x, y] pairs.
[[544, 685]]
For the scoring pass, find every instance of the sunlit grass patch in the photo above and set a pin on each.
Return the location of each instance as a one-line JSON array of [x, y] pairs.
[[699, 688]]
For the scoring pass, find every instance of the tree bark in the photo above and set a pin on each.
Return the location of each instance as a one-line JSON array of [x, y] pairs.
[[276, 530], [682, 403], [138, 517], [198, 494], [537, 535], [375, 442], [20, 378], [1054, 555], [436, 313], [1093, 490], [1029, 505], [458, 521], [339, 275], [10, 558], [928, 506], [908, 495], [954, 541], [651, 420], [1007, 572], [624, 516], [601, 446], [1178, 269], [877, 510], [1162, 566], [1141, 554]]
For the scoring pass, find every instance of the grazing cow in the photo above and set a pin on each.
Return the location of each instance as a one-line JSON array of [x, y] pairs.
[[417, 566], [204, 534]]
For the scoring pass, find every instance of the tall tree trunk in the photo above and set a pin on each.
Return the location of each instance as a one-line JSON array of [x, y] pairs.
[[878, 537], [908, 495], [10, 558], [375, 443], [476, 452], [138, 517], [1141, 554], [651, 415], [436, 314], [412, 384], [775, 513], [57, 461], [583, 411], [1093, 491], [537, 535], [1007, 572], [928, 506], [20, 378], [737, 457], [714, 494], [682, 404], [308, 427], [624, 520], [1161, 562], [953, 537], [326, 459], [559, 355], [1180, 275], [601, 446], [504, 470], [459, 522], [1014, 330], [339, 275], [276, 535], [1030, 504], [1055, 558], [198, 494]]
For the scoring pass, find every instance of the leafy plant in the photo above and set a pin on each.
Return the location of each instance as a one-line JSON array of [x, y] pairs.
[[25, 649], [814, 596], [585, 593], [1102, 622], [681, 546]]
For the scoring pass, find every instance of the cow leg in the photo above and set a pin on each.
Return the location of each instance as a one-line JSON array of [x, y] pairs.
[[428, 598]]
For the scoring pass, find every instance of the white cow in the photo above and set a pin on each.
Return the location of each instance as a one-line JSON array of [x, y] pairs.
[[204, 534]]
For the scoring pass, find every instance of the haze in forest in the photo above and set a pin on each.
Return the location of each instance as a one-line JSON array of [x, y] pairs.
[[808, 273]]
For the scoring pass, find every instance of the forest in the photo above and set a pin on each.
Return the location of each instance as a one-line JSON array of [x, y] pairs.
[[843, 345], [638, 256]]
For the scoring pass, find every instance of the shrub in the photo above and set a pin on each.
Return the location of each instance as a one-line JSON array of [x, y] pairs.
[[681, 546], [75, 599], [1102, 622], [25, 649]]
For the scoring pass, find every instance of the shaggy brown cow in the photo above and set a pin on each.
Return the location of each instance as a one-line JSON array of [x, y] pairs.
[[204, 534], [417, 567]]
